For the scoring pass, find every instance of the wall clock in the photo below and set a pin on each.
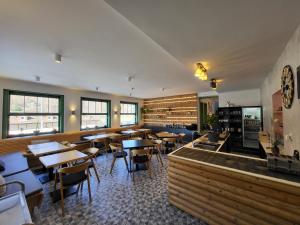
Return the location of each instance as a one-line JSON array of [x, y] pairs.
[[287, 87]]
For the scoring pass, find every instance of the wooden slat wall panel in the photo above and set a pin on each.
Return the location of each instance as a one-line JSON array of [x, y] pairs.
[[226, 197], [179, 109], [20, 144]]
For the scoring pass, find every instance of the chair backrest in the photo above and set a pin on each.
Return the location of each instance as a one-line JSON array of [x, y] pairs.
[[116, 147], [74, 169], [93, 151], [169, 139], [136, 138], [34, 142]]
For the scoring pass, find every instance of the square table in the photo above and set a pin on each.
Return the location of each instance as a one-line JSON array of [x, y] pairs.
[[129, 132], [47, 148], [54, 160], [166, 135], [100, 136], [136, 144]]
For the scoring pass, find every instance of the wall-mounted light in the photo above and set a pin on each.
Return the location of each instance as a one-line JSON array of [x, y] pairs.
[[73, 112], [213, 84], [201, 72], [58, 58], [115, 112]]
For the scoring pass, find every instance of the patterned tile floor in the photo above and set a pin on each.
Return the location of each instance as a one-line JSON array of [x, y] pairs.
[[116, 200]]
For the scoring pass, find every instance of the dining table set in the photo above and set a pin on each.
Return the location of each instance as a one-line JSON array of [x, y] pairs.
[[54, 155]]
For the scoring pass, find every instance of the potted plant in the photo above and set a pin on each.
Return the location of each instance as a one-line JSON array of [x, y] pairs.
[[212, 121]]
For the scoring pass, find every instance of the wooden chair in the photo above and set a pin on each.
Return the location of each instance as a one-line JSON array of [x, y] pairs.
[[92, 154], [118, 152], [101, 144], [180, 138], [169, 143], [157, 151], [136, 138], [74, 175], [140, 156]]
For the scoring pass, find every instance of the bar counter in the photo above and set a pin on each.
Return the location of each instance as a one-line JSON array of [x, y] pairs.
[[225, 188]]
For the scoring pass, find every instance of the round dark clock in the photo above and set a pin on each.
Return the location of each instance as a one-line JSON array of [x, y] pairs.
[[287, 87]]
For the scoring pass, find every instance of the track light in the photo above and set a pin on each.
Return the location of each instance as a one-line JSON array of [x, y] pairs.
[[213, 84]]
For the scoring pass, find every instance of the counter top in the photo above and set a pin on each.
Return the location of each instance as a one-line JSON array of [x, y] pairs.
[[237, 163]]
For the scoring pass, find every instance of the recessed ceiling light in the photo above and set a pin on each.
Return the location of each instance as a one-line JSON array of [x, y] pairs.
[[58, 58]]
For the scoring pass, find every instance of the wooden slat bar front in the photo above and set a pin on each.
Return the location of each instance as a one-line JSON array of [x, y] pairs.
[[224, 196]]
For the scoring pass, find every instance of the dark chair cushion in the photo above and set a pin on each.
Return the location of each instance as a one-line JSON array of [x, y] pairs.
[[140, 158], [154, 151], [32, 184], [14, 163], [73, 179], [120, 154], [170, 145], [2, 166]]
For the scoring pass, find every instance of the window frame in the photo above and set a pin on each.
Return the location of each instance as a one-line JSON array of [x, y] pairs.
[[136, 113], [96, 100], [6, 112]]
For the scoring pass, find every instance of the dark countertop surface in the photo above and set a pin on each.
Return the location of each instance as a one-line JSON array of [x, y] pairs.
[[234, 161]]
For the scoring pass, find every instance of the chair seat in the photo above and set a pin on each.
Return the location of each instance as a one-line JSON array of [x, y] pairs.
[[120, 154], [73, 179], [155, 151], [170, 145], [140, 159]]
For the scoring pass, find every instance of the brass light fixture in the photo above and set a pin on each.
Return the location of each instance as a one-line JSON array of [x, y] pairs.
[[201, 72]]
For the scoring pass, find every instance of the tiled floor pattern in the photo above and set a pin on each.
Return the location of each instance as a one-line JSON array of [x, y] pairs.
[[116, 200]]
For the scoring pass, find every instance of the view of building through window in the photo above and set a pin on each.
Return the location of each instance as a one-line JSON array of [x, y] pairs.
[[32, 114], [94, 113], [128, 115]]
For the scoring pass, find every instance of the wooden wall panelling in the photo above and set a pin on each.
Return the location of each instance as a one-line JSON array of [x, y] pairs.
[[179, 109], [21, 143]]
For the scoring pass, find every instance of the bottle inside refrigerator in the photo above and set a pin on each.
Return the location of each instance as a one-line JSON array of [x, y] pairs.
[[252, 124]]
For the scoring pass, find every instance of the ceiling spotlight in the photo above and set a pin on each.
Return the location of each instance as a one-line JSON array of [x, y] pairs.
[[58, 58], [129, 78], [97, 89], [37, 78], [163, 89], [133, 88], [130, 94], [213, 84], [201, 72]]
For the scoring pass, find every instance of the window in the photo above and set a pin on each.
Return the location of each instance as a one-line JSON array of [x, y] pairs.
[[27, 113], [95, 113], [128, 114]]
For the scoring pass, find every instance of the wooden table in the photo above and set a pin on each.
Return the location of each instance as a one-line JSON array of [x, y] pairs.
[[101, 136], [136, 144], [129, 132], [143, 130], [47, 148], [166, 135], [54, 160]]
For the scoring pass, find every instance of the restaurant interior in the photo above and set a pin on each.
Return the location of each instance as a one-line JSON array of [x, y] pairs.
[[149, 112]]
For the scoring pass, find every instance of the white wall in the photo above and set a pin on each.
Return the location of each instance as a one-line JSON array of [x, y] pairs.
[[71, 98], [249, 97], [291, 117]]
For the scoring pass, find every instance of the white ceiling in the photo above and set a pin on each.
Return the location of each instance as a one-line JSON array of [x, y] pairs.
[[157, 42]]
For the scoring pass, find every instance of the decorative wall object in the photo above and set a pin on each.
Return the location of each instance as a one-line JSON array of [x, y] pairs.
[[287, 87], [298, 81], [179, 109]]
